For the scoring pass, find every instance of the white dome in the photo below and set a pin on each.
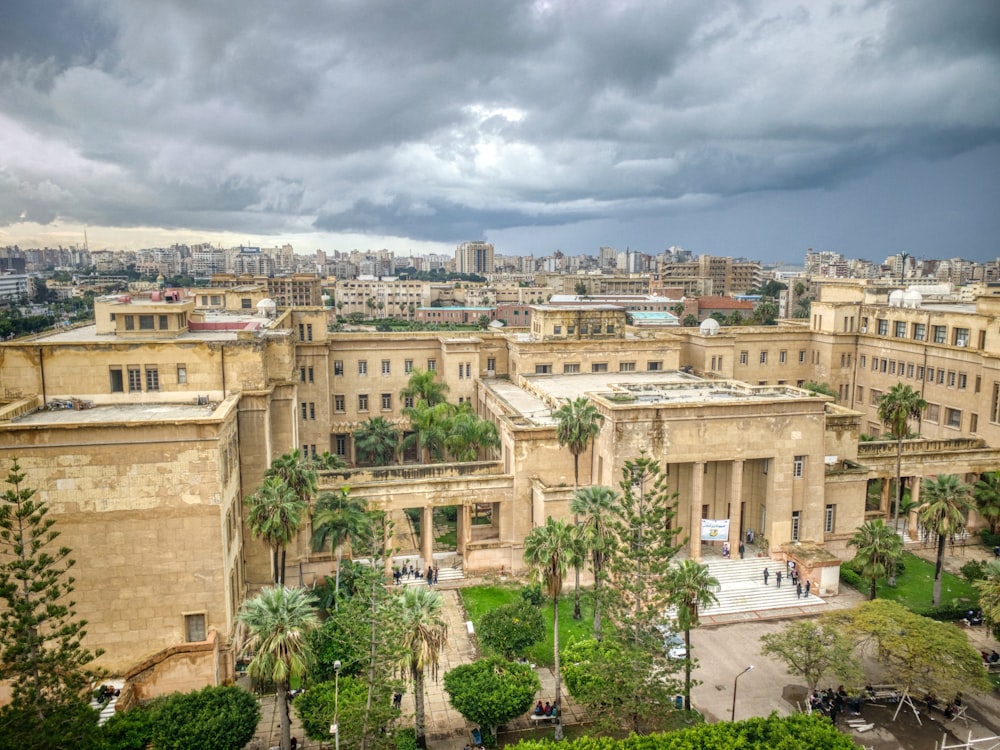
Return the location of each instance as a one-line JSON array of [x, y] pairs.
[[709, 327], [896, 298], [912, 298]]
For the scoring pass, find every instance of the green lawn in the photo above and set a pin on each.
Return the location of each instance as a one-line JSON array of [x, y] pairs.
[[479, 600], [914, 587]]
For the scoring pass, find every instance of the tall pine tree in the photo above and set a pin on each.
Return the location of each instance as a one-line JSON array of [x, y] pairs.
[[41, 649]]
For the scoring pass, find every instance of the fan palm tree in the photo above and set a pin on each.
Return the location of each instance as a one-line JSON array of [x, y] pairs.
[[298, 472], [879, 550], [896, 408], [424, 386], [376, 440], [430, 429], [277, 622], [942, 512], [550, 550], [691, 588], [275, 515], [326, 461], [577, 423], [339, 517], [986, 493], [595, 505], [425, 634]]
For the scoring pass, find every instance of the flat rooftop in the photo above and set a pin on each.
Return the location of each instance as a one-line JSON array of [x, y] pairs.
[[88, 333], [113, 414], [534, 402]]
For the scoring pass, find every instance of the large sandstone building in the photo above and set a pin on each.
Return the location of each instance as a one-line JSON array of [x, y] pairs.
[[146, 430]]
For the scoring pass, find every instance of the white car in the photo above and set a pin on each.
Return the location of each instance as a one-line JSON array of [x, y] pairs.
[[673, 644]]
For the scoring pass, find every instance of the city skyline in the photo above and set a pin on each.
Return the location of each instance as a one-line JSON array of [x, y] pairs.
[[758, 131]]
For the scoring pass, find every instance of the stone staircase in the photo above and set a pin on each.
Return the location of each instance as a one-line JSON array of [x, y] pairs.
[[107, 710], [742, 590], [450, 570]]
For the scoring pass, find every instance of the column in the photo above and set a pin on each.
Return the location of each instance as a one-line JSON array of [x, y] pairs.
[[911, 527], [464, 528], [887, 500], [427, 534], [736, 508], [697, 497]]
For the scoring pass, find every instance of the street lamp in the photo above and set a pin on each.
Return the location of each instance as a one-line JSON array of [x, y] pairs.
[[735, 682], [335, 727]]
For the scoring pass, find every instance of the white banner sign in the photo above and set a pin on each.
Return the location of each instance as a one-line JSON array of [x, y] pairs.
[[713, 530]]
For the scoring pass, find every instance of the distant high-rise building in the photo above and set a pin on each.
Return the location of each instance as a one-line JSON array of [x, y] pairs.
[[474, 257]]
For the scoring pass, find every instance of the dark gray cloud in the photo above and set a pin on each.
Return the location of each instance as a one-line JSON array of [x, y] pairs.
[[448, 120]]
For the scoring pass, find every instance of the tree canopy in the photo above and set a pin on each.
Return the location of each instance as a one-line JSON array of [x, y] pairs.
[[512, 629], [492, 691], [812, 651]]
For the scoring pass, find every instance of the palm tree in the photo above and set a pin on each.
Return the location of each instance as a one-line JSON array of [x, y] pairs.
[[942, 512], [577, 423], [596, 506], [989, 594], [424, 636], [424, 386], [339, 517], [550, 550], [468, 434], [895, 410], [277, 621], [691, 588], [879, 550], [986, 492], [326, 461], [376, 440], [298, 472], [430, 429], [275, 515]]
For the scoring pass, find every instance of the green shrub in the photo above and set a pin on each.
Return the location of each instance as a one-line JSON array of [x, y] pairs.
[[850, 576], [406, 739], [989, 540], [948, 612], [532, 594], [974, 570]]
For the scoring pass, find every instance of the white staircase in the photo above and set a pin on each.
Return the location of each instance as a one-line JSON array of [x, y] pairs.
[[449, 570], [107, 709], [742, 589]]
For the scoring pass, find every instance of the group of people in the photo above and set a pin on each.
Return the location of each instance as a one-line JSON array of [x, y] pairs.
[[727, 550], [834, 702], [547, 710], [990, 658], [411, 571], [107, 692], [949, 710], [793, 575]]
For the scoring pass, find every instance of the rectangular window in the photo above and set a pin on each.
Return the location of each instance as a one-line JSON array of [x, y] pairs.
[[557, 330], [491, 365], [744, 357], [386, 401], [884, 365], [930, 374], [940, 334], [883, 327], [543, 369], [874, 395], [829, 518], [309, 331], [362, 367], [940, 377], [117, 383], [363, 402], [919, 331], [920, 372], [654, 366], [892, 367], [145, 322], [932, 413], [874, 364], [194, 627], [599, 367], [305, 410], [859, 394], [864, 361], [408, 402], [340, 445], [973, 422], [961, 337], [571, 368], [953, 418], [798, 466], [432, 365], [134, 379], [129, 322], [802, 356], [152, 379], [951, 378], [626, 367], [339, 402], [899, 329], [864, 325], [909, 370], [796, 524], [338, 367], [163, 323], [407, 366], [182, 374], [782, 357], [611, 328], [386, 367], [570, 330], [763, 358]]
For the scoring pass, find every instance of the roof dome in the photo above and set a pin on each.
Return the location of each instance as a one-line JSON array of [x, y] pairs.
[[709, 327], [896, 298], [912, 298]]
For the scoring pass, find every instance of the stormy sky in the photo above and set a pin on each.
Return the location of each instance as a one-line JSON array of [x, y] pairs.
[[754, 129]]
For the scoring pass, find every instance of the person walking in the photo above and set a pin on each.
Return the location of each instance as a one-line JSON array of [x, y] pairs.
[[766, 574], [777, 577], [430, 575], [798, 590], [808, 584], [743, 550], [435, 575]]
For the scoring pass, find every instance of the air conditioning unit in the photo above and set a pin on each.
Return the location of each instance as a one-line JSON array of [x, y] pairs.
[[864, 329]]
